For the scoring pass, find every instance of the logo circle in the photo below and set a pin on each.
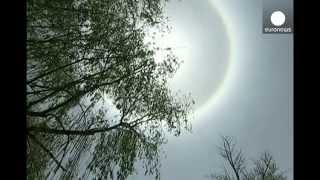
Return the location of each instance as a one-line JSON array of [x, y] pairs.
[[278, 18]]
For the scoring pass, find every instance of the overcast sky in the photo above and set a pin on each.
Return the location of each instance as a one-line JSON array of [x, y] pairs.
[[242, 79]]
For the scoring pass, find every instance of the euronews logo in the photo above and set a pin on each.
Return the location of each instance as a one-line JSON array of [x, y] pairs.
[[277, 19]]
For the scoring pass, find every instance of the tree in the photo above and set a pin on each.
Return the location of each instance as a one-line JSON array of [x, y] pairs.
[[93, 87], [265, 168]]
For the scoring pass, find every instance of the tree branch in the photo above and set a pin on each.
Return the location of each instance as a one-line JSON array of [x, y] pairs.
[[73, 132], [46, 150]]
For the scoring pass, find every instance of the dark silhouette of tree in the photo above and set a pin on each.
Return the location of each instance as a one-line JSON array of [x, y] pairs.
[[93, 87], [265, 168]]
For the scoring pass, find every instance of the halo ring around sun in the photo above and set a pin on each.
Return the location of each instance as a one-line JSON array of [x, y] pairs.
[[209, 55], [218, 93]]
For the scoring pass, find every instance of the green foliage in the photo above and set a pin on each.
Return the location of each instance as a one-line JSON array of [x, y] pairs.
[[85, 59], [34, 153]]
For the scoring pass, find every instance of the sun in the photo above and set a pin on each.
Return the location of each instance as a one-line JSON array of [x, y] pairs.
[[166, 41], [202, 46]]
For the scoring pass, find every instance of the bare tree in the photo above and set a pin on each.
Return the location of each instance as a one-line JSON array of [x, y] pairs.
[[265, 168], [233, 156]]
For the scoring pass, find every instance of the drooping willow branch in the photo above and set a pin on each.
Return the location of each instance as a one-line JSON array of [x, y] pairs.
[[46, 150]]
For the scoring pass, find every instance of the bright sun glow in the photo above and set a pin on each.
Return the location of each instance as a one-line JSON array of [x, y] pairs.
[[174, 40], [205, 61]]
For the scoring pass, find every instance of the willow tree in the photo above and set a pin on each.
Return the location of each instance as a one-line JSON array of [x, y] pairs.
[[95, 90]]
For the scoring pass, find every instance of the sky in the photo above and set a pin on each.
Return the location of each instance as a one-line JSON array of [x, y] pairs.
[[241, 79]]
